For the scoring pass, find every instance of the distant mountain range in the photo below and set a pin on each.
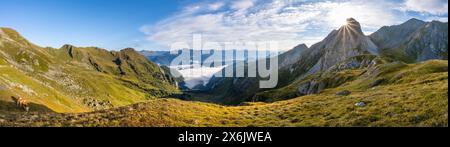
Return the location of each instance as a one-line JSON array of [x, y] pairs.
[[164, 58]]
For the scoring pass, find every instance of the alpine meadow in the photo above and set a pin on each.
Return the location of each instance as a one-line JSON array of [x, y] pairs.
[[334, 65]]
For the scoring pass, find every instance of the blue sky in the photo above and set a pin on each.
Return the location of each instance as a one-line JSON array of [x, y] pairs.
[[106, 23], [155, 24]]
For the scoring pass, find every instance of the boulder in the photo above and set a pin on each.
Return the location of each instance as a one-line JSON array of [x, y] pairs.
[[360, 104], [303, 89], [344, 93], [376, 83]]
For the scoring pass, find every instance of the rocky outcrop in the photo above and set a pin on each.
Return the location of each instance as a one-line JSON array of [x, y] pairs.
[[331, 79], [97, 104], [311, 87], [349, 41], [357, 62], [343, 93]]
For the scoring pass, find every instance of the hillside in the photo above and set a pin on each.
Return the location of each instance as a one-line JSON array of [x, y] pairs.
[[411, 95], [76, 79]]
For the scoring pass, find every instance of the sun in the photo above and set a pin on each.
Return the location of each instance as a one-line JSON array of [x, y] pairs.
[[343, 22], [338, 14]]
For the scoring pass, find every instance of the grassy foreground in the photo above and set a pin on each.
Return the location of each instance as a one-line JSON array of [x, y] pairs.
[[410, 95]]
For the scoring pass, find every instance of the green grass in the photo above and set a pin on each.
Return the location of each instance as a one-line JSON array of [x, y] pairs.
[[290, 91], [63, 82], [419, 98], [405, 94], [23, 85]]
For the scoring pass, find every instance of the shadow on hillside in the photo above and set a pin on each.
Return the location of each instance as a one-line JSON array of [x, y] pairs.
[[9, 106]]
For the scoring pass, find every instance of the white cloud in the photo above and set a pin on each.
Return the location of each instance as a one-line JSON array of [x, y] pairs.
[[216, 6], [442, 19], [371, 14], [288, 22], [436, 7], [242, 4]]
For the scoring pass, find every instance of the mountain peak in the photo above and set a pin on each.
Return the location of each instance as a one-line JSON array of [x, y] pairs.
[[351, 20], [413, 23], [12, 35], [414, 20], [353, 25], [67, 46], [9, 32], [349, 41], [128, 50], [301, 46]]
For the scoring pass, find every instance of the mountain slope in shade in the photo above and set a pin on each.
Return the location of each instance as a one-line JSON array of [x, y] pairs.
[[413, 41], [76, 79], [163, 58], [291, 56]]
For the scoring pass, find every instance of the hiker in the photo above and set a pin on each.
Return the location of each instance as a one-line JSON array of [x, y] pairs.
[[21, 103]]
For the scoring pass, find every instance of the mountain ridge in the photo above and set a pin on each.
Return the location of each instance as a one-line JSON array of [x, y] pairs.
[[414, 40], [77, 79]]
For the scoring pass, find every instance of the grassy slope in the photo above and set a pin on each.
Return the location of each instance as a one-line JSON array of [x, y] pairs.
[[332, 78], [412, 95], [52, 80], [22, 84]]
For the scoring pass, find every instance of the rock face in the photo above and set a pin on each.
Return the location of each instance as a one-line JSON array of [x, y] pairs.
[[348, 41], [311, 87], [395, 36], [414, 40]]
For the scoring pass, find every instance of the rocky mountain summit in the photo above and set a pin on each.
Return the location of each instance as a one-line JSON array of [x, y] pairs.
[[347, 42]]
